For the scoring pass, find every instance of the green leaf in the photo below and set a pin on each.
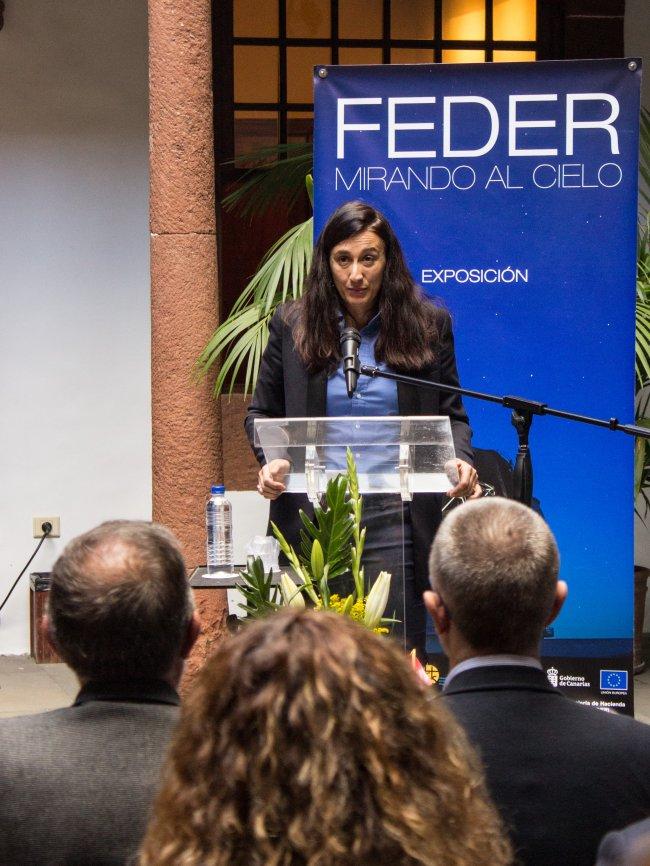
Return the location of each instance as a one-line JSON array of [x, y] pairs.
[[276, 176], [644, 160], [317, 560], [294, 560], [242, 337], [240, 352], [358, 534], [332, 529], [226, 333], [323, 585], [311, 529], [260, 595]]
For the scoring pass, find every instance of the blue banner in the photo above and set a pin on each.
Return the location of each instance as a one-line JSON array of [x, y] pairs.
[[513, 189]]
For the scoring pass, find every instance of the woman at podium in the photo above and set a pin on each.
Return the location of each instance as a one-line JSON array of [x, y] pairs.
[[359, 278]]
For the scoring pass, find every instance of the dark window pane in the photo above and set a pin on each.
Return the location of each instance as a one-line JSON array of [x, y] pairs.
[[255, 129], [256, 73], [411, 55], [360, 19], [252, 18], [300, 71], [308, 19], [368, 56], [412, 20], [300, 126]]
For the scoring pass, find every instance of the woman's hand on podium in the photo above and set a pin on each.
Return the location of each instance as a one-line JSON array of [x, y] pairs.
[[467, 486], [270, 480]]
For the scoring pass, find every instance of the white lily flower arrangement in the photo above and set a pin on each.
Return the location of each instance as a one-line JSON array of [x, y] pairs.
[[331, 546]]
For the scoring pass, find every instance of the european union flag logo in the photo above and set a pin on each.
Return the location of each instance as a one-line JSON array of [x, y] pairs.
[[614, 681]]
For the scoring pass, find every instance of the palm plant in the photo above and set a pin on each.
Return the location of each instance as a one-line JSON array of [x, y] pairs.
[[642, 353], [644, 156], [242, 337], [275, 175]]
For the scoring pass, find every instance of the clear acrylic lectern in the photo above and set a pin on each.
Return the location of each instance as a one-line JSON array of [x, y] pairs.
[[396, 457]]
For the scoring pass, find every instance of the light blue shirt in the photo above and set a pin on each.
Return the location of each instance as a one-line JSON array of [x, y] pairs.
[[372, 396]]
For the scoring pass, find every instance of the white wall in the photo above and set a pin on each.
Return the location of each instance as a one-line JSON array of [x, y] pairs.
[[250, 517], [75, 438]]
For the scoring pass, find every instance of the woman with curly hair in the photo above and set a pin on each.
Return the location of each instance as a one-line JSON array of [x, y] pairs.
[[307, 741]]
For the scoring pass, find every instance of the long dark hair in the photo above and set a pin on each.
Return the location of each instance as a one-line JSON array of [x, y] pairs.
[[409, 324]]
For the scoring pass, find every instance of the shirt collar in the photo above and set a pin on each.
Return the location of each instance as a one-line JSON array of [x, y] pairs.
[[493, 661], [143, 691], [368, 330], [372, 327]]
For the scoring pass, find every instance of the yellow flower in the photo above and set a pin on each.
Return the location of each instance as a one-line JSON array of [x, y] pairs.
[[358, 611]]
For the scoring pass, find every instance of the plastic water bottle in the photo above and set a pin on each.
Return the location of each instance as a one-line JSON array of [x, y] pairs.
[[218, 524]]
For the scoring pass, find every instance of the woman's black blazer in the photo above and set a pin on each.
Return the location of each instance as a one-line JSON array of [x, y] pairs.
[[285, 389]]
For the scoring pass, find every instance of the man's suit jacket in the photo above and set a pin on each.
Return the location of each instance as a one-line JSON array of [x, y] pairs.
[[76, 784], [561, 774], [286, 389]]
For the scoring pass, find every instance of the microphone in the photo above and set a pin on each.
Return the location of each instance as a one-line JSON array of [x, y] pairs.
[[350, 342]]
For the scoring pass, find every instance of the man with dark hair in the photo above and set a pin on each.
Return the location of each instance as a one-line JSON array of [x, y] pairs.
[[76, 784], [561, 774]]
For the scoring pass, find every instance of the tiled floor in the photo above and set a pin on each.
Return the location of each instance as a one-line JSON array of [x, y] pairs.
[[26, 687]]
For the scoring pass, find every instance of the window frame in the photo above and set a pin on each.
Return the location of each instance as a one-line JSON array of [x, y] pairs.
[[224, 42]]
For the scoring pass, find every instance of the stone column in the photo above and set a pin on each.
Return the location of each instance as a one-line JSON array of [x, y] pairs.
[[186, 422]]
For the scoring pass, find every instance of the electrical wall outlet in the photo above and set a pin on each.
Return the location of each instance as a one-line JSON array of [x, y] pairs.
[[37, 526]]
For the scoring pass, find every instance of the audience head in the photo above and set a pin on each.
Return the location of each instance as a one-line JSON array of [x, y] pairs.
[[120, 605], [307, 740], [493, 569]]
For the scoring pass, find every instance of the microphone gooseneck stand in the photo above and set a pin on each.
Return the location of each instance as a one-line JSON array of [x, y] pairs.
[[523, 411], [350, 341]]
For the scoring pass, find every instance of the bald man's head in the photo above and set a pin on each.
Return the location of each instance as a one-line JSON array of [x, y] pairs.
[[494, 563], [120, 602]]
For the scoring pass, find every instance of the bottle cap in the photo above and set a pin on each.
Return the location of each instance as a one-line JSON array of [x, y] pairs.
[[217, 489]]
